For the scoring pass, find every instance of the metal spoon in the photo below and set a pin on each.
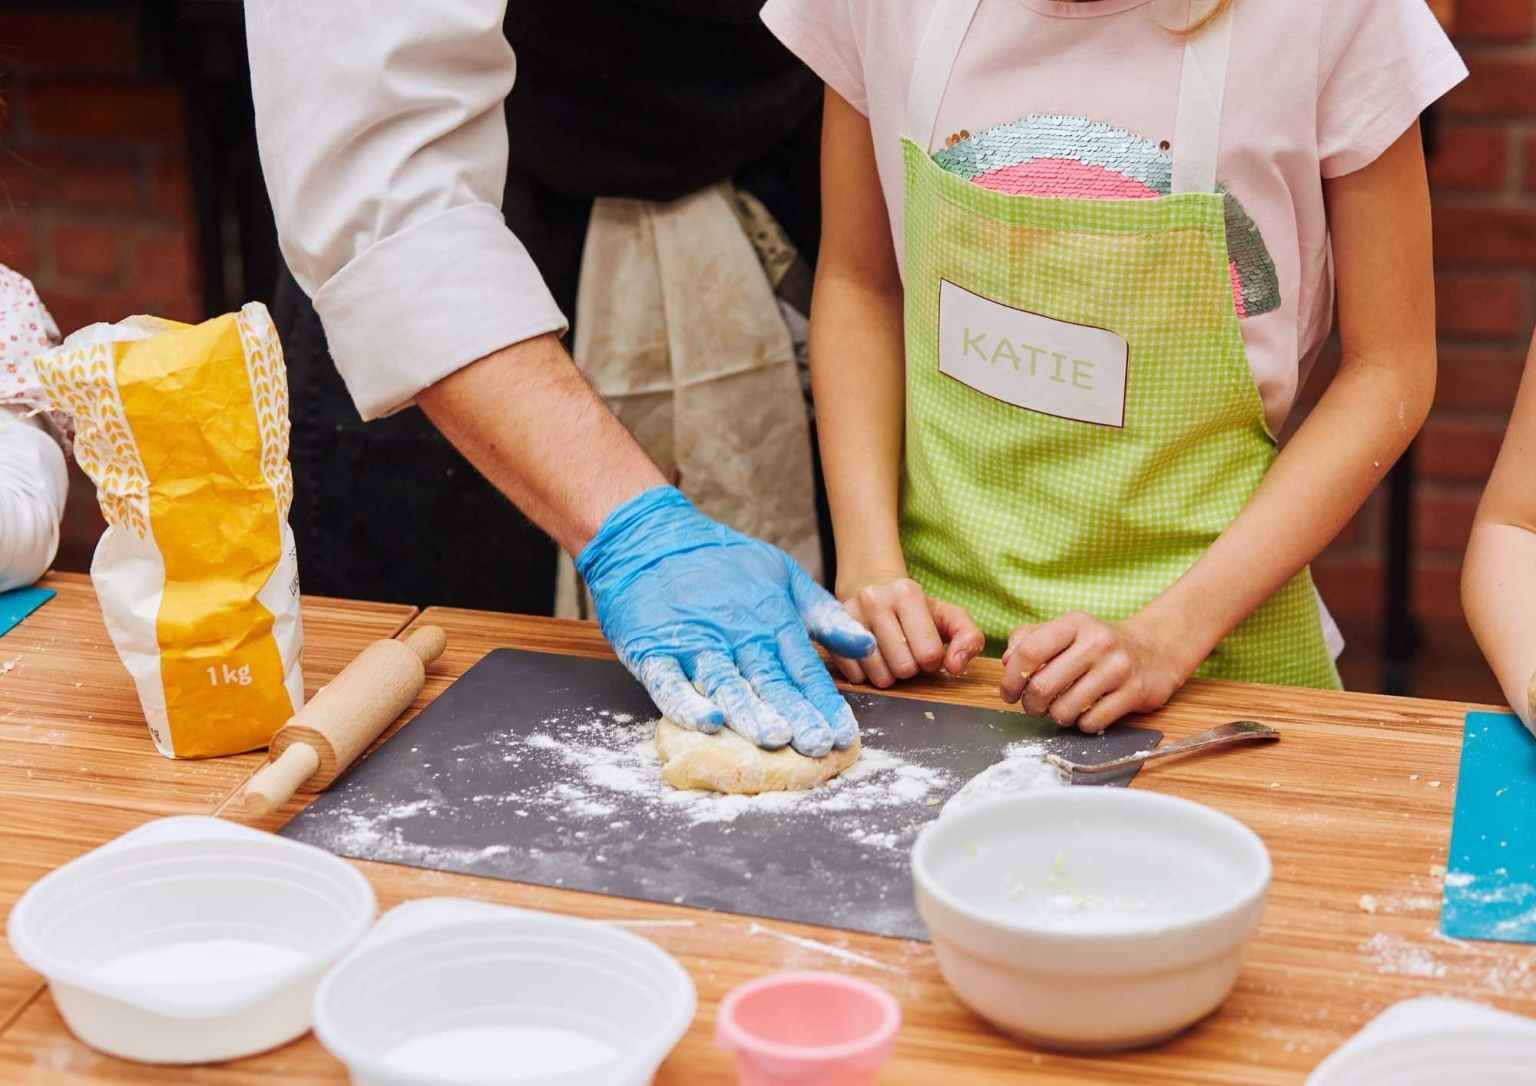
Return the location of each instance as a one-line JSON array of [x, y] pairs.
[[1236, 732]]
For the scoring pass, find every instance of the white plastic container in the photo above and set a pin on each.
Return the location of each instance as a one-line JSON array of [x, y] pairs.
[[191, 939], [1435, 1041], [446, 992], [1090, 919]]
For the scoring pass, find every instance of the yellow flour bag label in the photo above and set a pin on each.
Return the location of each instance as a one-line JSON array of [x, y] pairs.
[[184, 431]]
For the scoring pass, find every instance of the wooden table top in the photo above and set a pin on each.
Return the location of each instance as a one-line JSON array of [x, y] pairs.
[[1348, 805], [77, 767]]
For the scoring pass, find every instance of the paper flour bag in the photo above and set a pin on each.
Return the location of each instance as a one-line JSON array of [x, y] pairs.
[[184, 431]]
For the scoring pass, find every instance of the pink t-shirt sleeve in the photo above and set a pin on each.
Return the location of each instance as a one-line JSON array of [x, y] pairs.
[[1382, 63], [828, 35]]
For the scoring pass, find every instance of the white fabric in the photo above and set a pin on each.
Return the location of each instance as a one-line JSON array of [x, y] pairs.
[[936, 56], [1202, 89], [382, 134], [34, 477], [33, 484]]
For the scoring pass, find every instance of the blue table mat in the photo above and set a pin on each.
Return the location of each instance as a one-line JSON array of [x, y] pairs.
[[1490, 881], [18, 603]]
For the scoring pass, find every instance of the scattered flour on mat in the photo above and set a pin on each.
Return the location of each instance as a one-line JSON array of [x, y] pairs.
[[603, 761], [366, 834], [609, 765]]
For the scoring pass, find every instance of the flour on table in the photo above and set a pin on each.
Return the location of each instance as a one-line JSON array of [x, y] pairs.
[[1396, 955]]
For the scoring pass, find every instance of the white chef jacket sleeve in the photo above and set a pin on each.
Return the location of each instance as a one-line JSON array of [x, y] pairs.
[[34, 481], [383, 139]]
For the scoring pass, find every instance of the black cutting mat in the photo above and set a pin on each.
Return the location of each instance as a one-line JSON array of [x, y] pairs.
[[535, 767]]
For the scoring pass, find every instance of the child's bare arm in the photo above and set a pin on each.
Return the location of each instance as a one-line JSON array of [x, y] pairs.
[[1498, 583], [858, 374], [1092, 673]]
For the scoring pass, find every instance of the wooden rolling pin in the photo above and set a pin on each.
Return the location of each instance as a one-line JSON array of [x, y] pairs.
[[322, 739]]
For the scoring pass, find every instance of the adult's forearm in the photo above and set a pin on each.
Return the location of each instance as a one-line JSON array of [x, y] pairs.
[[857, 374], [528, 420]]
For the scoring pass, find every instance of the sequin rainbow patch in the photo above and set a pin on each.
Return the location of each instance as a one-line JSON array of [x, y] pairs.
[[1074, 157]]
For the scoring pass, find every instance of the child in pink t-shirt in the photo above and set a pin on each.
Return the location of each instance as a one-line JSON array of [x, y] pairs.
[[1077, 259], [33, 475]]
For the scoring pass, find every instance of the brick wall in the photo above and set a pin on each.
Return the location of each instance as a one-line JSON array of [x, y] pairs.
[[95, 206], [94, 200]]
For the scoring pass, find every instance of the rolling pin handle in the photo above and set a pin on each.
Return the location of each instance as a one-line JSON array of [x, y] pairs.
[[276, 781], [427, 642]]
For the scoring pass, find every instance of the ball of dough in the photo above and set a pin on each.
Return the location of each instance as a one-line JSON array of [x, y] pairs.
[[725, 762]]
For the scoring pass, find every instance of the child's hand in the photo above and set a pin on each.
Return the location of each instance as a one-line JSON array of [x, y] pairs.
[[1079, 670], [911, 628]]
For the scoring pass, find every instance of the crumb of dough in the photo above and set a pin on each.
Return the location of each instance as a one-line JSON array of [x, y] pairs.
[[934, 802], [928, 715], [1367, 903], [1413, 776], [1434, 784], [971, 850], [1437, 870]]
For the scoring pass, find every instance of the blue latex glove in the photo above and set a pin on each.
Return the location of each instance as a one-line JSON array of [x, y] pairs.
[[685, 600]]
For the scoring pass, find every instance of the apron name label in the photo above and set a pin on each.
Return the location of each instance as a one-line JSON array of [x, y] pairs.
[[1070, 371]]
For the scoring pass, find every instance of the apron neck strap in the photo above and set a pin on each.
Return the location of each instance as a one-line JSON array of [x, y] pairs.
[[936, 56], [1202, 88]]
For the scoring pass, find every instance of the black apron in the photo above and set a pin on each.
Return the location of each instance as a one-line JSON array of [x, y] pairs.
[[648, 99]]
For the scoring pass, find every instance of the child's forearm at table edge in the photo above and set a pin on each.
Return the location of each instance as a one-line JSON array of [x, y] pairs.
[[858, 376], [1498, 596], [858, 354], [1363, 423], [1500, 602]]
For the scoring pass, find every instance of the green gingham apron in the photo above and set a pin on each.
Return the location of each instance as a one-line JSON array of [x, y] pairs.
[[1090, 424]]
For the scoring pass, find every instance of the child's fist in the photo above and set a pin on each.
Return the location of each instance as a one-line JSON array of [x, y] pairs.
[[913, 631], [1079, 670]]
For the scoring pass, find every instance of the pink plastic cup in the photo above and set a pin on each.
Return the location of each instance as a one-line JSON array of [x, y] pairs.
[[808, 1029]]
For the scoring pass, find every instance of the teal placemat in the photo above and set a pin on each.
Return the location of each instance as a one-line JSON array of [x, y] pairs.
[[21, 602], [1490, 884]]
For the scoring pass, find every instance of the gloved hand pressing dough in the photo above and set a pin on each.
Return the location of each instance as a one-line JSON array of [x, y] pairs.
[[714, 624]]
